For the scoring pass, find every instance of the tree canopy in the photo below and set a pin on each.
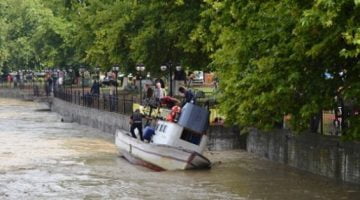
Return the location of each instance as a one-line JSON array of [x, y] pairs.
[[273, 58]]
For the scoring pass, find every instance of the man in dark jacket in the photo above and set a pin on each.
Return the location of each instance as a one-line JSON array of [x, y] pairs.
[[189, 96], [136, 122], [48, 85], [95, 88]]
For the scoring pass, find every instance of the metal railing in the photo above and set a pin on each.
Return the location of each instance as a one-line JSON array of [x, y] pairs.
[[122, 103]]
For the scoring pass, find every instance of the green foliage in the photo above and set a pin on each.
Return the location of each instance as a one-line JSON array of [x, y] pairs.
[[34, 37], [353, 133], [271, 56]]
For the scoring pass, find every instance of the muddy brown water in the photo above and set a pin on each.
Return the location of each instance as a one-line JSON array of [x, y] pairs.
[[43, 158]]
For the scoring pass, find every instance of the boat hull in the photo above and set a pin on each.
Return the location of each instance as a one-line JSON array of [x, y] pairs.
[[158, 157]]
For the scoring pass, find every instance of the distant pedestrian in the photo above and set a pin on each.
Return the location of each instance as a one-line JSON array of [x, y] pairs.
[[48, 84], [136, 123], [9, 80], [149, 92], [179, 80], [94, 93], [95, 88], [17, 80], [216, 82], [191, 77], [159, 80], [149, 98], [159, 93]]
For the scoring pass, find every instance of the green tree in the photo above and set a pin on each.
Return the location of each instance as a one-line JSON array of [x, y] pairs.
[[273, 56], [34, 35]]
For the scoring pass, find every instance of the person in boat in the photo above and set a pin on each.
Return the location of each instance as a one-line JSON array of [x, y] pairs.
[[136, 123], [188, 94]]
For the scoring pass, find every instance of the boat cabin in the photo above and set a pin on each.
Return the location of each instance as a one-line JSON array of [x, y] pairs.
[[188, 133], [172, 134]]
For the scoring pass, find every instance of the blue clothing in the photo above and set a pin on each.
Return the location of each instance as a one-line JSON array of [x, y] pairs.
[[95, 88], [189, 97]]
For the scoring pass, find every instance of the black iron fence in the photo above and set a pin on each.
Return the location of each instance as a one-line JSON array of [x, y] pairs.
[[121, 103]]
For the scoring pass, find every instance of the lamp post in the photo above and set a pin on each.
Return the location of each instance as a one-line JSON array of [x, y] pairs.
[[116, 70], [140, 68], [169, 66]]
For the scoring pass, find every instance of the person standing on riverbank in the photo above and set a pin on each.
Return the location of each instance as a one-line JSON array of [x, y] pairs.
[[9, 79], [48, 84], [189, 96], [179, 80], [95, 88], [191, 77], [159, 93]]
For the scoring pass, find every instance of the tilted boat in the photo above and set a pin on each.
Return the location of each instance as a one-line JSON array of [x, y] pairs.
[[173, 146]]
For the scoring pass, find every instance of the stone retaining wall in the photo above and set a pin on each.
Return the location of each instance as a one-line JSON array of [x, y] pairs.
[[225, 138], [105, 121], [15, 93], [322, 155]]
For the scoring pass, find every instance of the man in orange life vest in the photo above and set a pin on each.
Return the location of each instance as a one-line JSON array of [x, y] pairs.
[[174, 114]]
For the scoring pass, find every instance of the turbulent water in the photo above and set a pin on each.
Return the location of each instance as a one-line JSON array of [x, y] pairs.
[[43, 158]]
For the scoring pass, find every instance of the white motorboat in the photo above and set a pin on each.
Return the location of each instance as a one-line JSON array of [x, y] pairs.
[[173, 146]]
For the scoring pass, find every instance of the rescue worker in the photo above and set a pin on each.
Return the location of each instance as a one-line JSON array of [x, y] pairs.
[[136, 122], [174, 114]]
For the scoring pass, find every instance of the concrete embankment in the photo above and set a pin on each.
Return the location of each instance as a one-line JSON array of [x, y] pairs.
[[105, 121], [16, 93], [322, 155]]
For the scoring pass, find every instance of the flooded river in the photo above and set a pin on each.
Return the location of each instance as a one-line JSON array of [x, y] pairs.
[[43, 158]]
